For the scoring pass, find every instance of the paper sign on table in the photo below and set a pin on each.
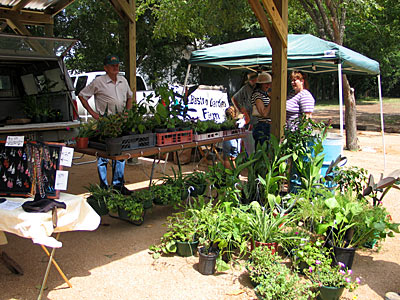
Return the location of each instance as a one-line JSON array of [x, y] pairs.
[[67, 154], [15, 141], [10, 205], [61, 180]]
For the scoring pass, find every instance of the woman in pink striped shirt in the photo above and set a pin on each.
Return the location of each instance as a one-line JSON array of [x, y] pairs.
[[301, 101]]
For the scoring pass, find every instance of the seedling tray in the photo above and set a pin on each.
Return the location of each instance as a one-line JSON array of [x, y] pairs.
[[207, 136], [129, 142], [234, 131], [176, 137]]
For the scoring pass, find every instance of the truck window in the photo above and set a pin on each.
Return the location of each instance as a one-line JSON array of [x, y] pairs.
[[80, 84], [5, 86], [140, 84]]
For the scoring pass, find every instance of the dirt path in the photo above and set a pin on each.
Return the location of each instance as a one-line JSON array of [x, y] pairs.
[[113, 262], [368, 117]]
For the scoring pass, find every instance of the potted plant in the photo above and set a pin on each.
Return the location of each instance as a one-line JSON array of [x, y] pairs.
[[145, 197], [259, 263], [180, 238], [274, 280], [306, 254], [127, 207], [265, 226], [85, 131], [166, 194], [196, 182], [330, 280], [98, 198], [352, 223], [110, 128]]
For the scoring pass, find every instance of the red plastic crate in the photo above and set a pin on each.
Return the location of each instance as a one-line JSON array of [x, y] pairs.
[[177, 137]]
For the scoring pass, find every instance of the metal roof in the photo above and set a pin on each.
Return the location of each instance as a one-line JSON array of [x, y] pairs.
[[38, 5]]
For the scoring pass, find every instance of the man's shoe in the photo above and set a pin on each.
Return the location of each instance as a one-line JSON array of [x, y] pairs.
[[392, 296]]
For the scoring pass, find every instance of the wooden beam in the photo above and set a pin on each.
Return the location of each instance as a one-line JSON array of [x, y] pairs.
[[262, 18], [59, 6], [124, 9], [276, 19], [131, 65], [279, 74], [25, 17]]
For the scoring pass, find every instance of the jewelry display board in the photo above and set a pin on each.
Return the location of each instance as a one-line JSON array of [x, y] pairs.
[[31, 169]]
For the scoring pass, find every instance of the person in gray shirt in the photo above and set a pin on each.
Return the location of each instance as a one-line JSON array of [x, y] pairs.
[[242, 101]]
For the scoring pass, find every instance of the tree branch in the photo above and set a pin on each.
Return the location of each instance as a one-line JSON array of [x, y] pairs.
[[327, 24], [313, 12]]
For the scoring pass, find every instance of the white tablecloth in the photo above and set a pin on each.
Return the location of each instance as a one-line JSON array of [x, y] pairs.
[[39, 226]]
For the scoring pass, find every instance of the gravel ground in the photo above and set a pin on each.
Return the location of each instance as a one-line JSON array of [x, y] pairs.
[[113, 262]]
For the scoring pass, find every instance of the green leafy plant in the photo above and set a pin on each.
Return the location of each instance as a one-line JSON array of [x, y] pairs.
[[134, 208], [352, 223], [265, 225], [351, 178], [307, 253], [181, 227], [166, 194], [87, 129], [111, 126], [275, 280], [324, 273]]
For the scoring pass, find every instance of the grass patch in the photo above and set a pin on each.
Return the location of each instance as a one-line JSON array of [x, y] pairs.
[[327, 104]]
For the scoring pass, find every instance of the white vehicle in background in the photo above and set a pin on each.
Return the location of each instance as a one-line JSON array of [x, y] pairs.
[[81, 80]]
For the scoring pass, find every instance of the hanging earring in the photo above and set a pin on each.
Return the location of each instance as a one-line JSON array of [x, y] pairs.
[[10, 168], [13, 170], [19, 152], [4, 177], [6, 163], [18, 182], [24, 156], [26, 184], [10, 184]]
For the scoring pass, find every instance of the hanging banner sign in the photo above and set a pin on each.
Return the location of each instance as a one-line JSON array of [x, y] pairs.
[[207, 103]]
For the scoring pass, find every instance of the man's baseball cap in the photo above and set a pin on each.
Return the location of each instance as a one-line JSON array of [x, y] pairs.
[[111, 60]]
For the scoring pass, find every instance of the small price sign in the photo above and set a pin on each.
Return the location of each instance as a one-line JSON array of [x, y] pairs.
[[15, 141]]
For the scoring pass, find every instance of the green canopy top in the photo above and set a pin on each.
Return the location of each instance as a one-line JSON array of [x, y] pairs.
[[305, 52]]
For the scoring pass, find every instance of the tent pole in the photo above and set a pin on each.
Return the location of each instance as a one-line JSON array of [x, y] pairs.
[[382, 123], [340, 98], [186, 77]]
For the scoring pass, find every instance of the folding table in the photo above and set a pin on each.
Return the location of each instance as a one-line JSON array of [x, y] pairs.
[[78, 215]]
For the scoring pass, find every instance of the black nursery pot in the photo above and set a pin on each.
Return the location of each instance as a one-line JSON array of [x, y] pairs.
[[207, 261], [344, 255]]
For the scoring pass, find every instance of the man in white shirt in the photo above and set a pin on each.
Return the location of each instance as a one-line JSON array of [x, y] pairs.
[[111, 92]]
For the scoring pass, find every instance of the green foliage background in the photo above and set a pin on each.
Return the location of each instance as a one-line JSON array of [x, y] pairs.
[[167, 30]]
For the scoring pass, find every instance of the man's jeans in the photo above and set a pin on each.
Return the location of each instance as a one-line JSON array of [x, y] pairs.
[[118, 167]]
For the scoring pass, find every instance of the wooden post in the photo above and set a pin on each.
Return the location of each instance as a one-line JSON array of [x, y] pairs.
[[279, 74], [131, 65]]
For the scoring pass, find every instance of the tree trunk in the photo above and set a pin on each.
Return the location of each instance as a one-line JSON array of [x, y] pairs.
[[350, 115]]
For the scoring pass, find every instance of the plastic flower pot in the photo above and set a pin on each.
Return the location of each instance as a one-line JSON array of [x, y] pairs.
[[272, 246], [330, 293], [99, 206], [113, 146], [207, 261], [82, 142], [186, 249], [344, 255]]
